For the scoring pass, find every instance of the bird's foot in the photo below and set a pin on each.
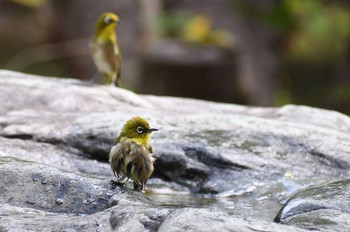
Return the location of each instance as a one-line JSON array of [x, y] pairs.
[[117, 183], [139, 188]]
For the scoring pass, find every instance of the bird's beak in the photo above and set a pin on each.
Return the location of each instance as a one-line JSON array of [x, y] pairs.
[[152, 129], [119, 22]]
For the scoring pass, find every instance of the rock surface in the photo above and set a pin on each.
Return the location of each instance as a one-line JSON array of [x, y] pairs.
[[214, 220], [236, 163], [325, 207]]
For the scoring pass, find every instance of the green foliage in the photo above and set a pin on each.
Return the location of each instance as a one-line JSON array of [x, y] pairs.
[[170, 25], [322, 30], [30, 3], [193, 29], [316, 29], [280, 18], [247, 9], [317, 33]]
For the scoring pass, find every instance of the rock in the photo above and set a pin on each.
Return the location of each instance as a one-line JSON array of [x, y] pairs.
[[27, 184], [55, 136], [215, 220], [52, 155], [324, 207], [61, 200]]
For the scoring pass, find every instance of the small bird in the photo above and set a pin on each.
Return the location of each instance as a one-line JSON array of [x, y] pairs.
[[105, 49], [131, 155]]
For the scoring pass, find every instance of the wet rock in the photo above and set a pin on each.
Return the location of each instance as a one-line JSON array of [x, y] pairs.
[[197, 140], [52, 155], [216, 220], [26, 184], [324, 207], [62, 200], [55, 136], [112, 219]]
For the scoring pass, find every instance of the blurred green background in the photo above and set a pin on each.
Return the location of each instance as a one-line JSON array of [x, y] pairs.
[[265, 53]]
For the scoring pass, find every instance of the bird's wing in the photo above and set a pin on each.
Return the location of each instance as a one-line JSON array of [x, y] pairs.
[[111, 55], [116, 158], [93, 50], [118, 62], [105, 57]]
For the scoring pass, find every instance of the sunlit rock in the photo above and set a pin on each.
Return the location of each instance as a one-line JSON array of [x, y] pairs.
[[55, 136]]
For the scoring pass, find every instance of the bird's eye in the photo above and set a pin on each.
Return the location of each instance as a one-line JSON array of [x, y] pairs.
[[139, 129], [107, 19]]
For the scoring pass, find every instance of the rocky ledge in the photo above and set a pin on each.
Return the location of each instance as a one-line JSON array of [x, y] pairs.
[[219, 166]]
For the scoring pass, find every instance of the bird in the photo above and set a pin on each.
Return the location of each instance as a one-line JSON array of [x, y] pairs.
[[105, 49], [131, 155]]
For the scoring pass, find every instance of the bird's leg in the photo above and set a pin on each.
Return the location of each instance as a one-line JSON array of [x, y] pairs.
[[117, 183], [114, 80], [138, 187]]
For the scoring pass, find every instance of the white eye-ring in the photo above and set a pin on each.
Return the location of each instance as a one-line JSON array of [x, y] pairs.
[[140, 129], [107, 19]]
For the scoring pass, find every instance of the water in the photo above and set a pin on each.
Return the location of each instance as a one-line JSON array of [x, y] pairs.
[[255, 199], [245, 206]]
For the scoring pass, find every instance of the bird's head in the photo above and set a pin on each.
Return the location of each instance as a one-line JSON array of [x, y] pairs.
[[107, 21], [138, 130]]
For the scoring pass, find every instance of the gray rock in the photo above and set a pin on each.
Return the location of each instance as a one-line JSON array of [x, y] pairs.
[[27, 184], [64, 201], [55, 136], [215, 220], [325, 207]]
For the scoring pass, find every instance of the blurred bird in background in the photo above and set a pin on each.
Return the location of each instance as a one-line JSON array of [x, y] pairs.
[[105, 49]]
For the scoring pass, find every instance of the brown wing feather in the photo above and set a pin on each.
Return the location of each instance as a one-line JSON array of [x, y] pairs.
[[117, 160], [106, 58]]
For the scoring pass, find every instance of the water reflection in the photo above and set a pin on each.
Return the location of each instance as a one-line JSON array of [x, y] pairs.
[[245, 206], [258, 200]]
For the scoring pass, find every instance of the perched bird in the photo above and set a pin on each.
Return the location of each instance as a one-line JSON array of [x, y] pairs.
[[131, 155], [105, 49]]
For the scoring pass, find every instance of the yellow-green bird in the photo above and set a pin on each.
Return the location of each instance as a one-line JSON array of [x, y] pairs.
[[131, 155], [105, 49]]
